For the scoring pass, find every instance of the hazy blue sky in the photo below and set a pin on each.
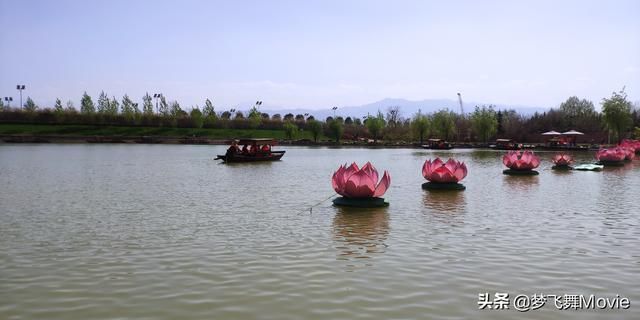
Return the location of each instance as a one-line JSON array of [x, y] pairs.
[[318, 54]]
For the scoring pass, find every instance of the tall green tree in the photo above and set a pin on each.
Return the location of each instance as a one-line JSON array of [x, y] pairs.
[[196, 117], [103, 103], [147, 105], [315, 127], [164, 107], [255, 117], [577, 112], [576, 107], [30, 105], [375, 125], [336, 128], [58, 106], [443, 123], [1, 105], [209, 114], [113, 108], [176, 110], [617, 113], [58, 110], [290, 130], [393, 116], [127, 108], [348, 121], [136, 110], [484, 122], [420, 126], [208, 109], [225, 115], [86, 104]]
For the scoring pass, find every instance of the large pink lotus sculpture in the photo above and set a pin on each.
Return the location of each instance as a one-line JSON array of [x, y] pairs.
[[631, 144], [443, 175], [612, 156], [359, 187], [630, 153], [521, 163], [562, 161]]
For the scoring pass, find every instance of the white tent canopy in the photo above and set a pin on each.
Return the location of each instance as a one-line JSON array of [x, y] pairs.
[[572, 132], [551, 133]]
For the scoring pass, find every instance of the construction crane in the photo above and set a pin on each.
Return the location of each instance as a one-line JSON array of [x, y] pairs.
[[460, 100]]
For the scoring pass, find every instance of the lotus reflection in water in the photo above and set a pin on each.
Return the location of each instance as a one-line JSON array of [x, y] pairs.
[[359, 232]]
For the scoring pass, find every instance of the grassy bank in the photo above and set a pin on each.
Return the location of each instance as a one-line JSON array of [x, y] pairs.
[[117, 131]]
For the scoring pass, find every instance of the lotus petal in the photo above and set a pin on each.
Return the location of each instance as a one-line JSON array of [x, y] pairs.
[[383, 185], [371, 171], [353, 182], [337, 181], [444, 172], [562, 159], [460, 172], [359, 185], [527, 161], [443, 175], [612, 155]]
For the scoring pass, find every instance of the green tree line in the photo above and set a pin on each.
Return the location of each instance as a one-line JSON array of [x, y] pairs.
[[619, 119]]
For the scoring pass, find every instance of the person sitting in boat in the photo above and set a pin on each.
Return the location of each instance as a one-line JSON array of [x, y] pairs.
[[266, 148], [253, 149], [245, 149], [233, 149]]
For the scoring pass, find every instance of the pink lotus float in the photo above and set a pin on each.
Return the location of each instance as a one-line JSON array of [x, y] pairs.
[[630, 153], [631, 144], [562, 161], [443, 175], [359, 187], [612, 156], [520, 163]]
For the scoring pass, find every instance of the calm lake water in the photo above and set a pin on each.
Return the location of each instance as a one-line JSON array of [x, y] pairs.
[[165, 232]]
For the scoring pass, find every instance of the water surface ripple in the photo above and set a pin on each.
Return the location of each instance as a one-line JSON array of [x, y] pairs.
[[165, 232]]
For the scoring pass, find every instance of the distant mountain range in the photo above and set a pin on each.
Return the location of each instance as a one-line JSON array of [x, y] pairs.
[[407, 108]]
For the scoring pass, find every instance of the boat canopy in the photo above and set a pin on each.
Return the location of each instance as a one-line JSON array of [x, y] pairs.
[[269, 141], [504, 140], [573, 132]]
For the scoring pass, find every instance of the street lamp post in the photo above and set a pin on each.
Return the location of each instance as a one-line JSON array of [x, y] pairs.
[[157, 96], [334, 111], [8, 101], [21, 87]]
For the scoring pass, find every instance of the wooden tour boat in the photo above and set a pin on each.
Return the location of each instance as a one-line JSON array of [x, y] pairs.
[[258, 155], [440, 144], [506, 144]]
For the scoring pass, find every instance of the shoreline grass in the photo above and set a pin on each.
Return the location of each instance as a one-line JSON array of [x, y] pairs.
[[122, 131]]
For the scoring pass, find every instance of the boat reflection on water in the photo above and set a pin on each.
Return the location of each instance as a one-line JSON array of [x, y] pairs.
[[360, 232]]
